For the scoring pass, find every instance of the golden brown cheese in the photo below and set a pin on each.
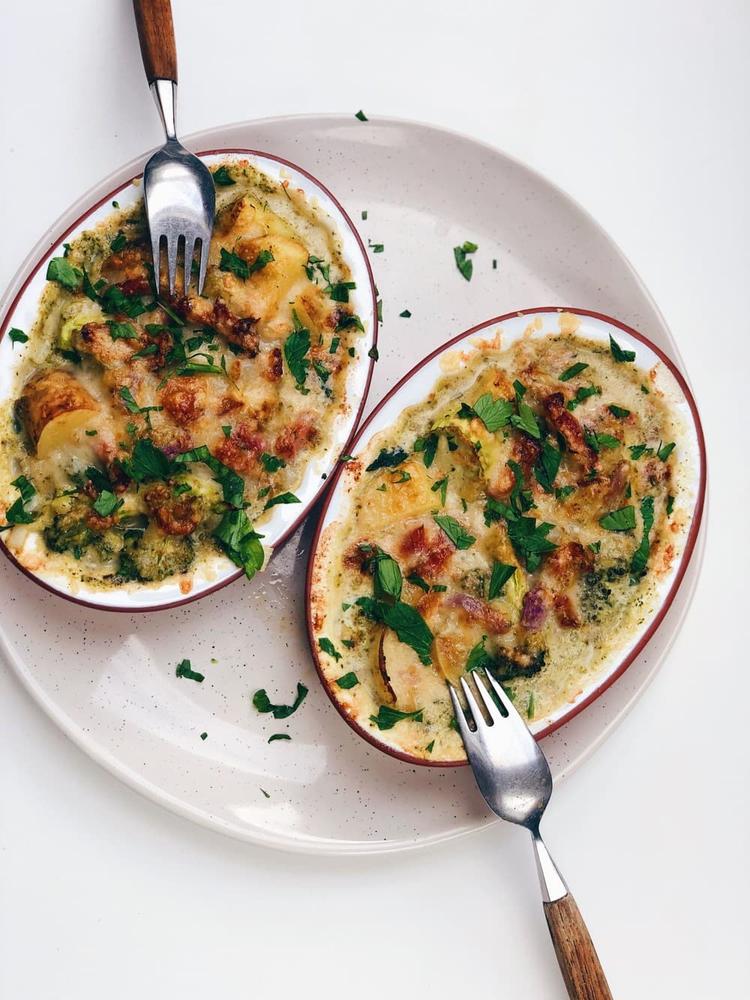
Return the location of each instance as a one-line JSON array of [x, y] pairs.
[[518, 519], [254, 370]]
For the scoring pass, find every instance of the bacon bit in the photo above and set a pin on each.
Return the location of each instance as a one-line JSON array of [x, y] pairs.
[[535, 608], [274, 366], [95, 339], [617, 482], [432, 551], [98, 523], [231, 453], [568, 562], [480, 611], [204, 312], [135, 286], [229, 403], [297, 436], [566, 424], [248, 436], [175, 515], [565, 613], [657, 472], [526, 452], [184, 399]]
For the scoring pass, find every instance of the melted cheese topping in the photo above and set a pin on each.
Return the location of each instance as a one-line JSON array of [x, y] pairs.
[[532, 495], [255, 369]]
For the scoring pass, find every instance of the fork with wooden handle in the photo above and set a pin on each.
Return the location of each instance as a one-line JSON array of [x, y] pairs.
[[178, 188], [514, 777]]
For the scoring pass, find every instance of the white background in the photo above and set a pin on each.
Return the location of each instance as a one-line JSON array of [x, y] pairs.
[[640, 110]]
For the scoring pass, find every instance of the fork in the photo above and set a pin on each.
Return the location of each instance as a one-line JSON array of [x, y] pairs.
[[178, 189], [514, 777]]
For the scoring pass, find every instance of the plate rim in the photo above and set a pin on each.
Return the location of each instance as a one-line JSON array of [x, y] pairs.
[[321, 846], [665, 604], [31, 267]]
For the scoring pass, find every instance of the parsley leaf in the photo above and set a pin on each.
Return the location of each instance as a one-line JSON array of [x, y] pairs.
[[184, 669], [526, 421], [339, 291], [271, 463], [347, 320], [277, 736], [619, 520], [296, 346], [232, 484], [17, 336], [387, 579], [494, 413], [405, 314], [618, 353], [547, 466], [637, 450], [529, 540], [419, 581], [460, 538], [582, 394], [639, 558], [107, 503], [665, 451], [501, 573], [263, 704], [388, 717], [574, 370], [238, 266], [361, 116], [62, 271], [406, 622], [328, 647], [464, 265], [428, 446], [240, 542], [388, 458], [223, 178], [347, 681], [618, 411], [17, 513], [146, 462], [282, 498], [122, 331]]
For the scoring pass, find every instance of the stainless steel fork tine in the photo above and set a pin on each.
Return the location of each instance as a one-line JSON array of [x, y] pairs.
[[504, 699], [473, 704], [156, 255], [188, 261], [173, 243], [203, 264], [489, 702]]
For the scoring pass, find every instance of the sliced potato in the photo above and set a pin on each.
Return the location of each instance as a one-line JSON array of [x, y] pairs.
[[400, 500], [53, 406]]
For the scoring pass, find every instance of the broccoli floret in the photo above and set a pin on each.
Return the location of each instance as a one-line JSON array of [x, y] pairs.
[[155, 556], [506, 668], [595, 594], [68, 530]]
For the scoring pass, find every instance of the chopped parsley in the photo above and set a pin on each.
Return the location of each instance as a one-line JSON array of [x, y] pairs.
[[665, 450], [428, 447], [441, 486], [223, 178], [637, 450], [347, 681], [563, 492], [405, 314], [238, 266], [460, 538], [277, 736], [64, 273], [263, 704], [388, 458], [406, 622], [119, 242], [339, 291], [185, 669], [501, 573], [122, 331], [328, 647], [361, 116], [639, 558], [17, 336], [494, 413], [238, 539], [17, 513], [618, 411], [296, 346], [547, 466], [388, 717], [463, 263], [525, 420], [345, 321], [107, 503], [618, 353], [619, 520], [670, 505], [271, 463], [419, 581], [576, 369], [376, 247], [582, 394]]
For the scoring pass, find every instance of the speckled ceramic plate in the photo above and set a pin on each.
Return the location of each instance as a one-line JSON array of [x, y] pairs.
[[109, 680], [20, 310]]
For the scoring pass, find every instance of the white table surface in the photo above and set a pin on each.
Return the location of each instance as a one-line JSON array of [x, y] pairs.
[[640, 111]]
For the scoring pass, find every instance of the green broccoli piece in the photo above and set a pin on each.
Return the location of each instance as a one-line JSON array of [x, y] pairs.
[[68, 529], [155, 556]]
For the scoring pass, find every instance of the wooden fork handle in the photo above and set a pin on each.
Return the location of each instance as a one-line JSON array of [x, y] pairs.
[[156, 35], [575, 951]]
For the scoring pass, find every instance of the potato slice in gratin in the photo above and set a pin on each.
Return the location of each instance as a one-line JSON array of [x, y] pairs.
[[149, 434], [518, 520]]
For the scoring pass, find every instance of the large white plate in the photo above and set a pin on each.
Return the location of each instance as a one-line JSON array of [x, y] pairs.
[[108, 680]]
